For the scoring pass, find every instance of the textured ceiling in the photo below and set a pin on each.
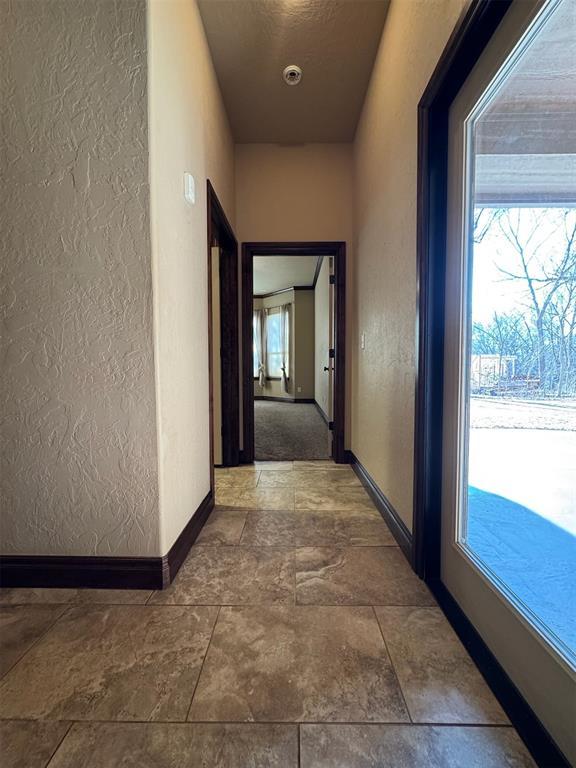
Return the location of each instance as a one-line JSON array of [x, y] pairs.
[[273, 273], [333, 41]]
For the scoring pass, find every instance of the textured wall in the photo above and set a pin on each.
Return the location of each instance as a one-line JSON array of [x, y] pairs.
[[188, 132], [79, 467], [385, 166]]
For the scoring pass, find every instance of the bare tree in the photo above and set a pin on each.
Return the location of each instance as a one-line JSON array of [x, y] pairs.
[[541, 259], [543, 272]]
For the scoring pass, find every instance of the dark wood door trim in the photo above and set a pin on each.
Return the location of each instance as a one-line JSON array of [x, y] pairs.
[[471, 35], [220, 233], [338, 251], [247, 356]]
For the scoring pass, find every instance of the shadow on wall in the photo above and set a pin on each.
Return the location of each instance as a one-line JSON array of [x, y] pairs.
[[533, 557]]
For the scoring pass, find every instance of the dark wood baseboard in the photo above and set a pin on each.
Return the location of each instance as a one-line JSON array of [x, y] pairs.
[[533, 733], [275, 399], [285, 399], [178, 551], [530, 729], [104, 572], [395, 523], [81, 572]]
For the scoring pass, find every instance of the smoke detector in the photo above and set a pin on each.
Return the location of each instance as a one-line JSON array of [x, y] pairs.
[[292, 74]]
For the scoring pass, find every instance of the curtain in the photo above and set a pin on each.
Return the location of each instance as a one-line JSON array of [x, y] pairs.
[[261, 345], [285, 342]]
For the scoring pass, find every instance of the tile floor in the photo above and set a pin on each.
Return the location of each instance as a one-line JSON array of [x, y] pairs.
[[294, 635]]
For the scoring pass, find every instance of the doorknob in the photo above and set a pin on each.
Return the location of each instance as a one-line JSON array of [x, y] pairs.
[[326, 368]]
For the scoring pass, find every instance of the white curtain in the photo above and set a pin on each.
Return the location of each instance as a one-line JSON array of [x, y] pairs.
[[285, 341], [260, 342]]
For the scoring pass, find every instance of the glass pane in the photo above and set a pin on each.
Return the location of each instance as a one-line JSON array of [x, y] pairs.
[[255, 358], [274, 344], [518, 511]]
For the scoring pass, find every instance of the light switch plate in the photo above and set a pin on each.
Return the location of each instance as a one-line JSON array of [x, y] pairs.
[[189, 188]]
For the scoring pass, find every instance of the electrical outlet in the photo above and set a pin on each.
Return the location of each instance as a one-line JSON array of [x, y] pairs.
[[362, 341], [299, 389]]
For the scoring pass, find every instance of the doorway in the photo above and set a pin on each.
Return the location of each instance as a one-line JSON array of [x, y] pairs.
[[223, 336], [495, 441], [293, 351]]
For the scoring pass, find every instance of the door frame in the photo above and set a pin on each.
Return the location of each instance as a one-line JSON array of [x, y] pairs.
[[464, 48], [338, 251], [221, 234]]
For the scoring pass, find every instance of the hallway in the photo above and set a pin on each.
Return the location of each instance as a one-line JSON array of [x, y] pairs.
[[294, 611]]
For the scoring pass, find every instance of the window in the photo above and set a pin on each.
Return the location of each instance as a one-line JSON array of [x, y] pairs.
[[274, 343], [271, 330], [517, 519], [256, 345]]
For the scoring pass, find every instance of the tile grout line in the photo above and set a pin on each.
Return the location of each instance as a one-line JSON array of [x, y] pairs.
[[392, 665], [256, 546], [295, 578], [299, 746], [150, 596], [95, 606], [53, 755], [39, 638], [260, 723], [202, 665], [239, 542]]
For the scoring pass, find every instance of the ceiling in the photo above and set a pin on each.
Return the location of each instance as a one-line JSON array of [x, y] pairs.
[[525, 138], [333, 41], [273, 273]]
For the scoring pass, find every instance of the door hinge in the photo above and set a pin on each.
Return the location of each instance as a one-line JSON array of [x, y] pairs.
[[331, 425], [331, 354], [332, 279]]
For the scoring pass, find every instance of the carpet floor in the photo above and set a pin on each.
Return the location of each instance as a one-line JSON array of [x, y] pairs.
[[289, 431]]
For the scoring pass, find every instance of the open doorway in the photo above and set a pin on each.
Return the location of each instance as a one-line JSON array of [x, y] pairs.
[[293, 351], [224, 365]]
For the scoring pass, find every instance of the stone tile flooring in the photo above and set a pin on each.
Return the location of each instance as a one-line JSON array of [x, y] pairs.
[[294, 635]]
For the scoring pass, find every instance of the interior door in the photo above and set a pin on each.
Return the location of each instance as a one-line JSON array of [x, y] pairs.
[[216, 359], [324, 342], [509, 451], [331, 343]]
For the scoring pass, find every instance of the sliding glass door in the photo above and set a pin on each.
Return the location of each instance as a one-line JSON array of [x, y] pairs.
[[509, 479]]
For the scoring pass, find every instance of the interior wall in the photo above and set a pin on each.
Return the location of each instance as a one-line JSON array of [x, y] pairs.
[[385, 172], [298, 193], [189, 131], [79, 466], [322, 338], [304, 344]]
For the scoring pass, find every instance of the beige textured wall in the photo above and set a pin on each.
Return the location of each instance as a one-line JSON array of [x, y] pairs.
[[79, 466], [300, 192], [322, 338], [188, 132], [385, 165]]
